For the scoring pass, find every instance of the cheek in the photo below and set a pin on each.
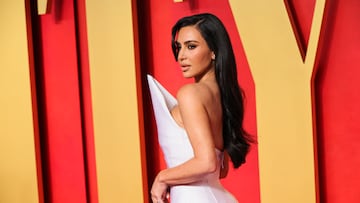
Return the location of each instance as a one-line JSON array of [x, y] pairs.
[[200, 58], [205, 58]]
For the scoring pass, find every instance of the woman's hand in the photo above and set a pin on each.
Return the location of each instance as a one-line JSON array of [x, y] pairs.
[[159, 191]]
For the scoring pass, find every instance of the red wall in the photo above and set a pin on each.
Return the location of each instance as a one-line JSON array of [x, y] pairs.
[[337, 103], [64, 105], [63, 102]]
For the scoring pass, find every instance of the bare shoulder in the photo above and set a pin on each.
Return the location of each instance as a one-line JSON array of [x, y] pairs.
[[194, 93]]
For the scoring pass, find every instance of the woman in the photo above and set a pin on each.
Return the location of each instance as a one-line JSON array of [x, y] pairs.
[[204, 123]]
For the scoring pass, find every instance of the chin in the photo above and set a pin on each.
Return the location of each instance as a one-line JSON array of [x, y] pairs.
[[186, 75]]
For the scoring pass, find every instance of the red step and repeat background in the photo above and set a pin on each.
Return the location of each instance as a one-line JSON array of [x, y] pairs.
[[62, 95]]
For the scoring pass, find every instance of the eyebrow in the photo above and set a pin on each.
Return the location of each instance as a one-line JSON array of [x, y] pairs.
[[188, 42]]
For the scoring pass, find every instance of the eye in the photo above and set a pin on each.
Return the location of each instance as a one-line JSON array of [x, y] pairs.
[[191, 46]]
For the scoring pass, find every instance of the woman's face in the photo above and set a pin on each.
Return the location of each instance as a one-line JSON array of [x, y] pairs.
[[194, 56]]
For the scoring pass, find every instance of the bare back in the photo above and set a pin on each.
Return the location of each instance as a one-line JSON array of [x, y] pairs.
[[209, 95]]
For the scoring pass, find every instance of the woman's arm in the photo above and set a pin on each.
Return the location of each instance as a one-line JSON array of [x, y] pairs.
[[197, 125], [196, 121]]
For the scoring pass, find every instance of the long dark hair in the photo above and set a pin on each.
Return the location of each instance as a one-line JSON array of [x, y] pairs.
[[236, 139]]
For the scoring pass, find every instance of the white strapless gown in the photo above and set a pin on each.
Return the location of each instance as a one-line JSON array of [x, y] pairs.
[[177, 149]]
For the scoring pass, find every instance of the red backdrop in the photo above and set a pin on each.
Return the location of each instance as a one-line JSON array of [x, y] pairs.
[[337, 103], [64, 105], [61, 76]]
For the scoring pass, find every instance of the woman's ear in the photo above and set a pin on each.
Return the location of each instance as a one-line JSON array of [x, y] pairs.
[[213, 55]]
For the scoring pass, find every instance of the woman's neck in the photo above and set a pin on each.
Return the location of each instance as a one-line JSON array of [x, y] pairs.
[[206, 76]]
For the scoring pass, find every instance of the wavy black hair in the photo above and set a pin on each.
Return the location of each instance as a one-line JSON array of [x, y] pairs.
[[236, 139]]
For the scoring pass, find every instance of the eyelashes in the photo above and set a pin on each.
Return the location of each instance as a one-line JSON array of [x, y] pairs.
[[189, 46]]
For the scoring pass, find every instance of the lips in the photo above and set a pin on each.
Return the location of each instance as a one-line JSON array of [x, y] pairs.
[[184, 67]]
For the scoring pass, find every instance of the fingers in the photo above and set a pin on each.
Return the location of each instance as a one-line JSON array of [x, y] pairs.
[[155, 200], [163, 199]]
